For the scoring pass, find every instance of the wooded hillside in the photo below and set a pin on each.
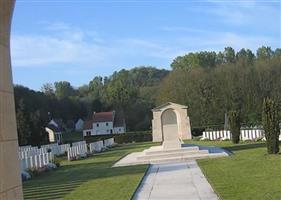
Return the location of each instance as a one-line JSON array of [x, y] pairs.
[[210, 83]]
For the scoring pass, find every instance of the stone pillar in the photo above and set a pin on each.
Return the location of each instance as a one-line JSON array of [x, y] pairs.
[[10, 180]]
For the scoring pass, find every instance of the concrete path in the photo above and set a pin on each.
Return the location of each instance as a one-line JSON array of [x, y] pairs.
[[176, 181]]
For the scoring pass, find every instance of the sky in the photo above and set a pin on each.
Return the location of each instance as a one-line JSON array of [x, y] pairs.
[[75, 40]]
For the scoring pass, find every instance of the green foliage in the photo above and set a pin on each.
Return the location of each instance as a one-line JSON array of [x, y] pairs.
[[210, 93], [229, 55], [271, 125], [203, 59], [64, 90], [129, 137], [57, 161], [140, 136], [209, 83], [264, 53], [22, 123], [234, 123]]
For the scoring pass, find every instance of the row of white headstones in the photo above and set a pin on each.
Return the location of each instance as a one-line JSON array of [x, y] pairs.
[[34, 157], [80, 149], [246, 134]]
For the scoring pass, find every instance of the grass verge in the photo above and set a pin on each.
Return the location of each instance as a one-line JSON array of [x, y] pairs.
[[92, 178], [248, 174]]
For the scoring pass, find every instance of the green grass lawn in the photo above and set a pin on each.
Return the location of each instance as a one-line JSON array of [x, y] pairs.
[[248, 174], [92, 178]]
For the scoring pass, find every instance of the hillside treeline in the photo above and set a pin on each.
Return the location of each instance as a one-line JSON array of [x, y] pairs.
[[210, 84]]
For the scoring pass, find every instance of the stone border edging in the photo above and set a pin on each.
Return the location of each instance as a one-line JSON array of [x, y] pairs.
[[145, 173]]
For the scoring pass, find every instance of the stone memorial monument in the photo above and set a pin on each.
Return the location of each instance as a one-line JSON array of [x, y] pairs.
[[10, 180], [170, 125]]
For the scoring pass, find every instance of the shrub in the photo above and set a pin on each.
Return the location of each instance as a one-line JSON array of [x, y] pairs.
[[144, 136], [234, 123], [33, 171], [57, 161], [129, 137], [270, 125]]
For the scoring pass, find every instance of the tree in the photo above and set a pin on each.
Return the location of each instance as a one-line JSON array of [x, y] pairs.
[[48, 89], [229, 55], [246, 57], [264, 53], [96, 87], [64, 90], [23, 126], [271, 125], [219, 59], [234, 123], [188, 61]]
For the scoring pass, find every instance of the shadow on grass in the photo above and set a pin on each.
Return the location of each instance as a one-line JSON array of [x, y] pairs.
[[240, 147], [59, 183]]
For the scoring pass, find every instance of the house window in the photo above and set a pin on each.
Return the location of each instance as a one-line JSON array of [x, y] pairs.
[[119, 129], [110, 131], [98, 125], [106, 124], [88, 133]]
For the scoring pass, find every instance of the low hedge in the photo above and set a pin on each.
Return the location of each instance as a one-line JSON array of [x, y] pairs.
[[129, 137], [143, 136]]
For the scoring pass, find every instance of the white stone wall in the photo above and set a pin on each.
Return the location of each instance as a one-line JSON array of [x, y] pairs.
[[100, 128], [119, 130]]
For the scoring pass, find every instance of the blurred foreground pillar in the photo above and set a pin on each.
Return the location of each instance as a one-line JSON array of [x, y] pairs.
[[10, 180]]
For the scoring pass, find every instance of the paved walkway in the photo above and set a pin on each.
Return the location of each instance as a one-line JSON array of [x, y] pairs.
[[177, 181]]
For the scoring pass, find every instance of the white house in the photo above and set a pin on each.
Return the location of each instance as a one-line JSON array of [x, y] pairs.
[[104, 123], [79, 125], [55, 134], [54, 129]]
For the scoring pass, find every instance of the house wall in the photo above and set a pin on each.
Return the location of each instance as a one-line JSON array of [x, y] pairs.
[[79, 125], [51, 135], [100, 128], [87, 130], [119, 130], [54, 137]]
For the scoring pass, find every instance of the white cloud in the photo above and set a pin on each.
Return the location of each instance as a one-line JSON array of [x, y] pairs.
[[42, 50], [250, 13], [216, 41], [70, 46]]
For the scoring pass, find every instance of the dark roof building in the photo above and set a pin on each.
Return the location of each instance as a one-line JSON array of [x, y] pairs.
[[105, 123]]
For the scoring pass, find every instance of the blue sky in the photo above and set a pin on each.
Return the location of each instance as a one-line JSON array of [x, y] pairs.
[[74, 40]]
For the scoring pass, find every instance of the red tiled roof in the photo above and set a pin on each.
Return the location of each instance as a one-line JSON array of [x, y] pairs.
[[103, 117], [88, 124]]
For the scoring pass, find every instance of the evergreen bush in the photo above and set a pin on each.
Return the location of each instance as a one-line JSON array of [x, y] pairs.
[[234, 124], [271, 125]]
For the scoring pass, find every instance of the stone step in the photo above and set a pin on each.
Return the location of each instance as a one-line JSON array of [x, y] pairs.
[[163, 155], [184, 158], [153, 151]]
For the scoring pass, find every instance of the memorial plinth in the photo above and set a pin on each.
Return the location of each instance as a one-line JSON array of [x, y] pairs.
[[10, 180]]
